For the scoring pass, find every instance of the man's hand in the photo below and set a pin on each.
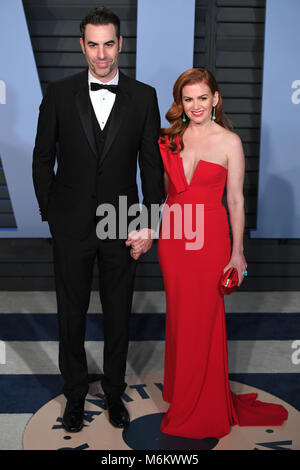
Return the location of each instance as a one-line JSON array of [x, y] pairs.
[[140, 241]]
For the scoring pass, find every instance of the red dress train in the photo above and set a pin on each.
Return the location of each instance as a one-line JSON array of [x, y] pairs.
[[196, 382]]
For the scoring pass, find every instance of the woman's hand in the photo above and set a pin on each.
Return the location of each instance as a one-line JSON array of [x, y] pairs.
[[140, 241], [237, 261]]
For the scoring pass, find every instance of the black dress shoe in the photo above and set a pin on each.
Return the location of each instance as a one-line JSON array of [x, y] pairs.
[[118, 414], [73, 416]]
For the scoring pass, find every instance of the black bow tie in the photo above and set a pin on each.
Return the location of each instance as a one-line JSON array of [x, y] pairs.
[[97, 86]]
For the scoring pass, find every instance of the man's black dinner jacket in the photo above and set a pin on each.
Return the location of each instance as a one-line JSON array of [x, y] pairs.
[[68, 197]]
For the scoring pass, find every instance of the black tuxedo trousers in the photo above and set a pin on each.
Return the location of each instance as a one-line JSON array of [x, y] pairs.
[[74, 262]]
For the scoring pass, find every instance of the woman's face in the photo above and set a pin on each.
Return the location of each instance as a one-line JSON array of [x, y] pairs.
[[198, 101]]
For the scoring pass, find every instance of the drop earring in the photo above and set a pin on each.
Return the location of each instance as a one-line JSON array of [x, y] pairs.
[[214, 113], [183, 117]]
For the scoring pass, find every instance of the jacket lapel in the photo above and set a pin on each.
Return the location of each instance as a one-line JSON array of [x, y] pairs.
[[83, 105], [118, 115]]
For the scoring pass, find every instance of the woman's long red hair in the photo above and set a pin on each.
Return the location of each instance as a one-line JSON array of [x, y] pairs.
[[174, 115]]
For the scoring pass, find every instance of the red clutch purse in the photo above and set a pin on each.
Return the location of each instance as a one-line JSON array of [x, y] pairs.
[[229, 281]]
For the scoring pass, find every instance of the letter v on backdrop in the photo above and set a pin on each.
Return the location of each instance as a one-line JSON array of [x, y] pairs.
[[20, 97]]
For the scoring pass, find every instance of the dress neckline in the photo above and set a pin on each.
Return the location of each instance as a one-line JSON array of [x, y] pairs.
[[201, 160]]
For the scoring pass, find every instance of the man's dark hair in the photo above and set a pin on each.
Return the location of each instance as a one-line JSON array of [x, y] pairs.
[[100, 15]]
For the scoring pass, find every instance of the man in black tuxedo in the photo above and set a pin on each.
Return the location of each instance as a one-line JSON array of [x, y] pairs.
[[96, 133]]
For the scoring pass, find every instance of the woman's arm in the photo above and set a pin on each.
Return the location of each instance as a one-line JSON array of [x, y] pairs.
[[235, 203]]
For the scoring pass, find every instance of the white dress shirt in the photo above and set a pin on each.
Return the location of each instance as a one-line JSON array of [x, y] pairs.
[[102, 100]]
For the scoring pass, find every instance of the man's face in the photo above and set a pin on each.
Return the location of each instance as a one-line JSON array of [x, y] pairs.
[[101, 49]]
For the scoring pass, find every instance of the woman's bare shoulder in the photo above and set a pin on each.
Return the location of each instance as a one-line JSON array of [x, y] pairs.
[[230, 136], [230, 140]]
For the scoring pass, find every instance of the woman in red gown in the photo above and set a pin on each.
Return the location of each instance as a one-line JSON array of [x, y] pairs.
[[201, 154]]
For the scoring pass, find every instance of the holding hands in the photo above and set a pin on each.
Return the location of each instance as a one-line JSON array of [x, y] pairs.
[[140, 241]]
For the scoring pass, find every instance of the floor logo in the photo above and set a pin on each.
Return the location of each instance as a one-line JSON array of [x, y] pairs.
[[144, 402]]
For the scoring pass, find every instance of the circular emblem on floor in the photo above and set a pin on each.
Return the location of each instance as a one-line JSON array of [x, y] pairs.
[[146, 407]]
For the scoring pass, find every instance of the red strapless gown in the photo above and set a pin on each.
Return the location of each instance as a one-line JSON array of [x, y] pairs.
[[196, 380]]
